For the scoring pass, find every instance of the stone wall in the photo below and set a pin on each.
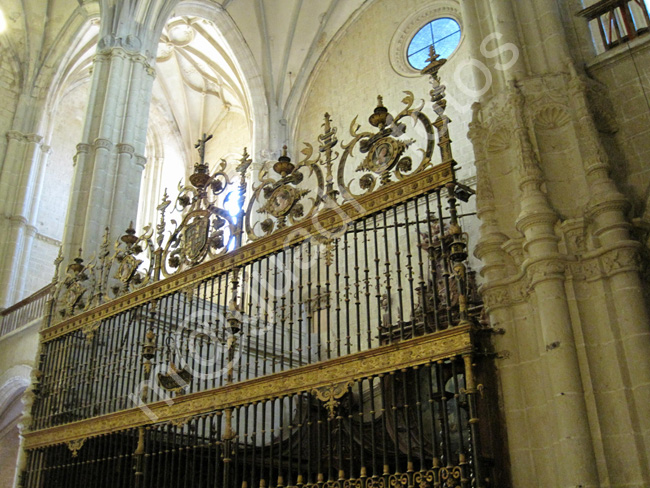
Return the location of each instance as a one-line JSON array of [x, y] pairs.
[[625, 71]]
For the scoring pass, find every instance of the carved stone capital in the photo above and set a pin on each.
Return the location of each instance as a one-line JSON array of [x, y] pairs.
[[505, 293], [110, 43], [546, 270], [24, 138], [103, 144], [83, 148], [600, 264], [14, 135], [125, 149], [140, 160], [621, 260]]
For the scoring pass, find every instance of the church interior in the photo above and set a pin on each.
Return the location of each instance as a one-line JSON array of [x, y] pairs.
[[336, 244]]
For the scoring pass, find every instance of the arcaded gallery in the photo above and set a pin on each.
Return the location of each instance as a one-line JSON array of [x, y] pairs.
[[324, 244]]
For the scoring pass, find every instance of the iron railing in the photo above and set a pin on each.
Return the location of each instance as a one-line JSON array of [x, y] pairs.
[[25, 311]]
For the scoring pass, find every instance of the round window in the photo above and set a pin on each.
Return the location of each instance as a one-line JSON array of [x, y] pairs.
[[443, 34]]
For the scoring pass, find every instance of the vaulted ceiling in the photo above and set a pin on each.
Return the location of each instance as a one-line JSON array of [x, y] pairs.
[[287, 37], [279, 41]]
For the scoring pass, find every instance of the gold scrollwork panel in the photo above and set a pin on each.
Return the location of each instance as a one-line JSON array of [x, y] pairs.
[[328, 220]]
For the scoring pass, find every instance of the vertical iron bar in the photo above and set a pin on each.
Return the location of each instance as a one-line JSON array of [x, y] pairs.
[[337, 292], [259, 316], [384, 426], [445, 262], [393, 408], [316, 306], [433, 263], [283, 318], [301, 305], [409, 265], [444, 417], [274, 312], [249, 320], [407, 420], [357, 290], [417, 373], [291, 313], [398, 269], [472, 390], [378, 294], [346, 299], [266, 354], [362, 444]]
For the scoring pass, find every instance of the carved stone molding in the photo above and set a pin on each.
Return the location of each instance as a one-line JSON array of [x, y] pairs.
[[515, 249], [574, 235], [140, 160], [621, 260], [499, 139], [110, 44]]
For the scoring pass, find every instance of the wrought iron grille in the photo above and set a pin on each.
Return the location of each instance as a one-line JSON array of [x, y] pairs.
[[331, 345], [386, 280], [407, 427]]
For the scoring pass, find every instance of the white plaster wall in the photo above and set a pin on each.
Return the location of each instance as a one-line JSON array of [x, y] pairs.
[[230, 137]]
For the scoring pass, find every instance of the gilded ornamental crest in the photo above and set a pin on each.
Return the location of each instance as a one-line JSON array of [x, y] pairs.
[[196, 237]]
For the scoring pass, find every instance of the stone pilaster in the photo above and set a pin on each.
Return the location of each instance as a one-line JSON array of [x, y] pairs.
[[21, 181]]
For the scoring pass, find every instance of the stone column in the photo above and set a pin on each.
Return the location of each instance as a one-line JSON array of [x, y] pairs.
[[110, 159], [624, 339], [564, 282], [21, 181], [575, 461]]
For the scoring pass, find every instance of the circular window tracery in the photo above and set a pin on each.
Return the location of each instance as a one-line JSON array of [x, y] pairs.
[[442, 33], [409, 46]]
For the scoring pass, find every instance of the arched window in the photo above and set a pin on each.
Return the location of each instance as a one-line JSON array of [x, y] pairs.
[[442, 33]]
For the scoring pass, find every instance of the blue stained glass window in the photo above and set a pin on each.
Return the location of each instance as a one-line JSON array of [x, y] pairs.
[[443, 34]]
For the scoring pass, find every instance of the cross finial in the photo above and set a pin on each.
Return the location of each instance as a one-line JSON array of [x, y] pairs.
[[200, 145]]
